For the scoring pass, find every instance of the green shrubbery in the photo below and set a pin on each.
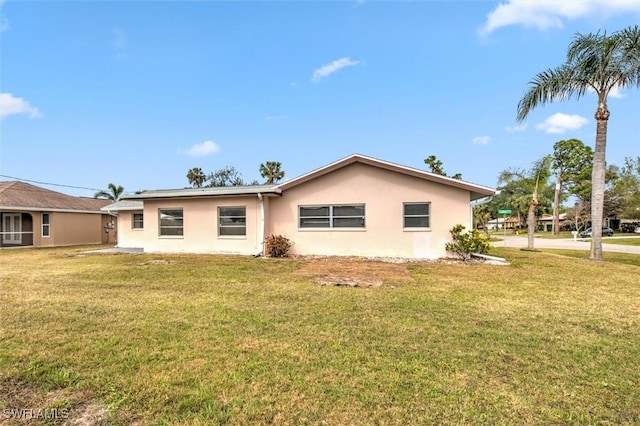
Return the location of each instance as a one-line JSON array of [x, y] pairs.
[[277, 246], [465, 243]]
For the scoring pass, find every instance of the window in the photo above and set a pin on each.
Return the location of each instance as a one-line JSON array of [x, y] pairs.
[[340, 216], [417, 215], [232, 221], [171, 222], [46, 225], [137, 221]]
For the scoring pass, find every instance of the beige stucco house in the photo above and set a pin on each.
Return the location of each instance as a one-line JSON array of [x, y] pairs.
[[31, 216], [356, 206]]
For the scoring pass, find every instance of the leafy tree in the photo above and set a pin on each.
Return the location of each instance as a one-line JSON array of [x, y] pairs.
[[196, 177], [271, 171], [227, 176], [571, 161], [597, 62], [113, 193], [435, 166], [626, 188]]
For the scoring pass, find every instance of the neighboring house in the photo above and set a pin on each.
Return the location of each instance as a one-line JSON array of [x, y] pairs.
[[494, 224], [38, 217], [356, 206], [545, 222]]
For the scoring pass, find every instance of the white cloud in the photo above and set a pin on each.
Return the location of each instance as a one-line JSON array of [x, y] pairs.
[[559, 123], [4, 24], [517, 128], [615, 92], [203, 149], [326, 70], [274, 117], [10, 105], [544, 15], [481, 140], [119, 38]]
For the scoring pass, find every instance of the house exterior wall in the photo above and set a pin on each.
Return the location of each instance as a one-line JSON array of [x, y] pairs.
[[128, 237], [68, 229], [200, 230], [383, 193]]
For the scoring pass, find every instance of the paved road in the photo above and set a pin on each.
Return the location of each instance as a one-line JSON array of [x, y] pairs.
[[520, 241]]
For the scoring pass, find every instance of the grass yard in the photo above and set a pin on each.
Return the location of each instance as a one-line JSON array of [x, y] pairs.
[[624, 241], [195, 340]]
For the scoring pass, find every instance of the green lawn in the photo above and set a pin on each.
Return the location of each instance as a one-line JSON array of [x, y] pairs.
[[624, 241], [195, 340]]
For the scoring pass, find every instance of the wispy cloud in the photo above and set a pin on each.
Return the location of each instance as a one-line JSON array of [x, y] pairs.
[[11, 105], [4, 23], [328, 69], [275, 117], [119, 41], [481, 140], [544, 15], [517, 128], [203, 149], [559, 123]]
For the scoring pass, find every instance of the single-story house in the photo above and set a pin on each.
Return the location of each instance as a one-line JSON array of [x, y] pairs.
[[38, 217], [545, 222], [357, 206]]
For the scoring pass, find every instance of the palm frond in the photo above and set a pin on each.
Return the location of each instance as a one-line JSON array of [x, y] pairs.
[[551, 85]]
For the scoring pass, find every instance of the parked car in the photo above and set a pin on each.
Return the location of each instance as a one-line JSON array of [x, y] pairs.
[[608, 232]]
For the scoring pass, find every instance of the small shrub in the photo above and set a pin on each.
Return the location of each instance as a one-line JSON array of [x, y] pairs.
[[465, 243], [277, 246]]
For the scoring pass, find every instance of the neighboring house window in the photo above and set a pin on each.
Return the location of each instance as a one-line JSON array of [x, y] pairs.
[[338, 216], [417, 215], [46, 225], [138, 221], [171, 222], [232, 221]]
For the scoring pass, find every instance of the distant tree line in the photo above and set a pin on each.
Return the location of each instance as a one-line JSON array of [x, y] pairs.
[[271, 171]]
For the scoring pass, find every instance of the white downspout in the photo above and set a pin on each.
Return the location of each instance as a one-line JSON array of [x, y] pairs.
[[262, 225]]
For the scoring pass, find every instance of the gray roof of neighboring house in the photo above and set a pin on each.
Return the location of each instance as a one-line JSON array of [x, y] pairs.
[[123, 205], [206, 192], [20, 195]]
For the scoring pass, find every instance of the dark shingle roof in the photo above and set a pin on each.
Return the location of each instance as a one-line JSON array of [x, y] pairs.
[[24, 195]]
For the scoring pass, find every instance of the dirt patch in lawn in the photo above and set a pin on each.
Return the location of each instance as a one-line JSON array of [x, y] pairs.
[[24, 403], [354, 272]]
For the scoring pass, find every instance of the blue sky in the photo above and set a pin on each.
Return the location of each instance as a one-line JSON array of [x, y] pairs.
[[138, 92]]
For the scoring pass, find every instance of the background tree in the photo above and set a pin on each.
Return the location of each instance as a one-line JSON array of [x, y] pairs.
[[435, 166], [271, 171], [531, 189], [571, 161], [113, 192], [227, 176], [626, 188], [597, 62], [196, 177]]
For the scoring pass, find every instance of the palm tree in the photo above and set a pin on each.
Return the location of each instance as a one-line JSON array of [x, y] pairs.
[[528, 182], [271, 171], [599, 63], [196, 177], [113, 193]]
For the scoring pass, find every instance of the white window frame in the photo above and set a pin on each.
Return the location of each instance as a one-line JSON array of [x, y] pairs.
[[160, 227], [332, 218], [232, 225], [405, 216], [133, 221], [46, 226]]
